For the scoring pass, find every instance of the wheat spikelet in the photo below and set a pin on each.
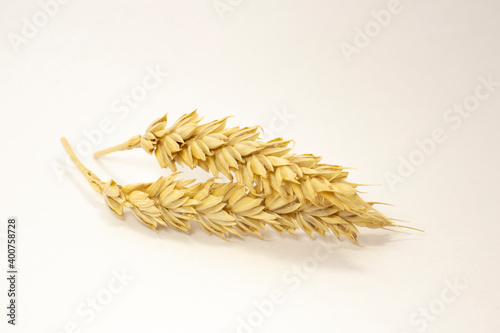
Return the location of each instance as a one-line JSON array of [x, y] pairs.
[[264, 167], [224, 208]]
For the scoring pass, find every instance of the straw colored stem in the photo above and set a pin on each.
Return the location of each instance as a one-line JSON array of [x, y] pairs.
[[96, 183], [86, 172], [132, 143]]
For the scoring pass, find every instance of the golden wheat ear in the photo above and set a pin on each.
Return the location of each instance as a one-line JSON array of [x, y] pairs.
[[225, 208], [265, 168]]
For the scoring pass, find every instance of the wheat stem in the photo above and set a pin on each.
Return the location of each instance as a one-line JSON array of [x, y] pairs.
[[74, 158], [131, 143], [94, 181]]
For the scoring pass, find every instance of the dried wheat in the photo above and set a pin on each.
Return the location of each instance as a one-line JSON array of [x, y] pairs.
[[264, 167], [227, 208]]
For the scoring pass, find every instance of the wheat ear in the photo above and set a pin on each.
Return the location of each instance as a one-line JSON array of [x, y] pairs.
[[224, 208], [264, 167], [261, 166]]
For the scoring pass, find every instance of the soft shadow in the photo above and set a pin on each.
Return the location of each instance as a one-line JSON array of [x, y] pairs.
[[382, 237], [285, 247]]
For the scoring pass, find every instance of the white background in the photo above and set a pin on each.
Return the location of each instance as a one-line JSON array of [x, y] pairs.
[[254, 60]]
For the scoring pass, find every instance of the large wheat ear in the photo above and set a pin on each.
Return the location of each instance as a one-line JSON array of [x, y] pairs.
[[226, 208], [264, 167]]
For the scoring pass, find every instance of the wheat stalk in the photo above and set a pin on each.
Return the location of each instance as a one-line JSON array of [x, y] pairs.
[[226, 208]]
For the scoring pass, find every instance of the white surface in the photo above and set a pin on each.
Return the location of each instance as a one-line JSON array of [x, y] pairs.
[[260, 57]]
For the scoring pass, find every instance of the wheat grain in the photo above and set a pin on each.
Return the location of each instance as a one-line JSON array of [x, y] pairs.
[[225, 208]]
